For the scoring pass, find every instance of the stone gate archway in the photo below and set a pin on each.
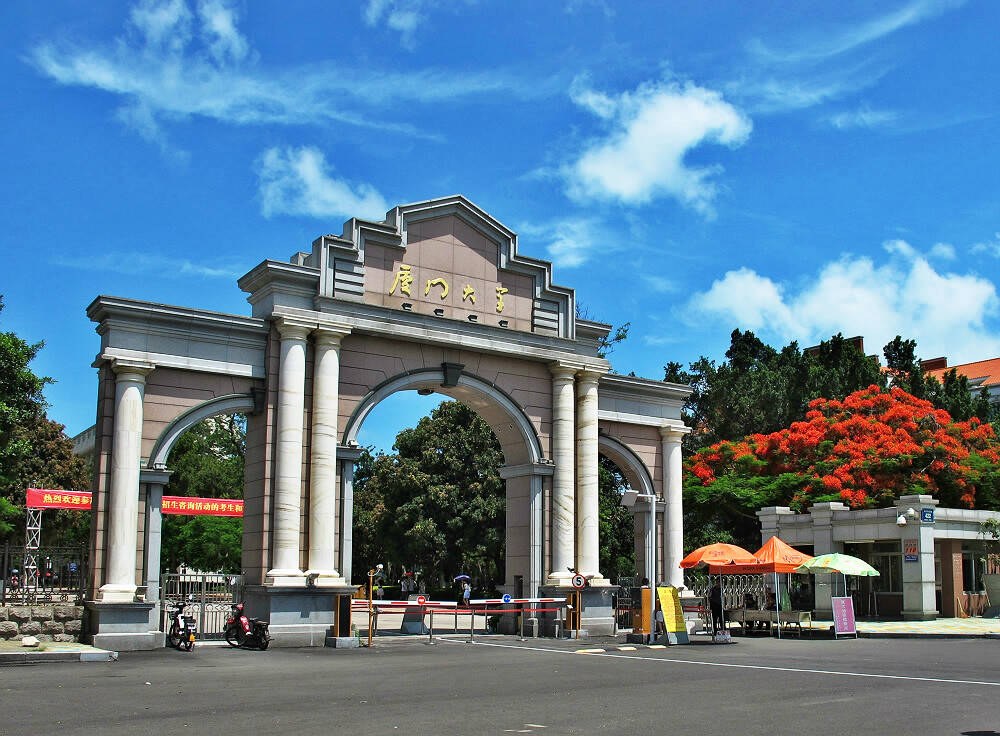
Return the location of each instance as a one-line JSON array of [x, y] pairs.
[[435, 296]]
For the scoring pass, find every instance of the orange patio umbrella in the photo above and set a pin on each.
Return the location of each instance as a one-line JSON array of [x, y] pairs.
[[718, 554]]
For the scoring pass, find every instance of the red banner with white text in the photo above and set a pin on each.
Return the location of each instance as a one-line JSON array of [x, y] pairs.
[[190, 506], [44, 498]]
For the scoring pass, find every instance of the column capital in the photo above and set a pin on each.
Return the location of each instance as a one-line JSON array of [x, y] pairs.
[[155, 476], [330, 336], [131, 370], [293, 329], [673, 432], [589, 376], [562, 372]]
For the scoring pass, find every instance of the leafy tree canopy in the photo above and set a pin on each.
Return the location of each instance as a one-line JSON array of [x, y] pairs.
[[866, 450], [207, 461]]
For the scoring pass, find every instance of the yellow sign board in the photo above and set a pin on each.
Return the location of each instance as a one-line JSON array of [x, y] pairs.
[[673, 614]]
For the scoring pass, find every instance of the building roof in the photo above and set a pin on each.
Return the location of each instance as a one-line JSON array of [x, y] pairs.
[[980, 373]]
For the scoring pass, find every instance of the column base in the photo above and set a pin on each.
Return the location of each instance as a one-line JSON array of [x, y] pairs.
[[122, 627], [559, 580], [598, 610], [116, 593], [285, 578], [325, 579], [297, 616], [920, 615]]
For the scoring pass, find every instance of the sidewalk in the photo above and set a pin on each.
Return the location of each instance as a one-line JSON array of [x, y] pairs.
[[11, 652], [942, 627]]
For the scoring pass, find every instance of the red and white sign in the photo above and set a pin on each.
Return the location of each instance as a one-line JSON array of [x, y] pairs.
[[910, 546], [191, 506], [421, 599], [579, 582], [44, 498]]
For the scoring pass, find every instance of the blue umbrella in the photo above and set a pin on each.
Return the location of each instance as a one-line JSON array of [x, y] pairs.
[[462, 577]]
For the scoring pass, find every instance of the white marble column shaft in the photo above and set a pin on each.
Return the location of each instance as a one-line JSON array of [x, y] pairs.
[[564, 476], [288, 460], [587, 507], [123, 497], [323, 460], [673, 481]]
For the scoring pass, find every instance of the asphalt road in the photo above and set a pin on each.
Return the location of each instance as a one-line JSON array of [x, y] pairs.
[[756, 686]]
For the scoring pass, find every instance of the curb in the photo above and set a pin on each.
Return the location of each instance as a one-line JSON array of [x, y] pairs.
[[35, 657]]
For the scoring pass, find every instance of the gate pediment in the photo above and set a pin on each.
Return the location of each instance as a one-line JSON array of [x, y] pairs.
[[447, 258]]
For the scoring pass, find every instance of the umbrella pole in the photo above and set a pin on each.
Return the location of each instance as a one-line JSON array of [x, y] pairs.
[[777, 603]]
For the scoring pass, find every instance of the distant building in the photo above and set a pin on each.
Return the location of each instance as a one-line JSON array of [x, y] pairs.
[[981, 374]]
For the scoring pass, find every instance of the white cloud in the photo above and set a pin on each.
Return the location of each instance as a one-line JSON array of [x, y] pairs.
[[946, 313], [863, 117], [138, 263], [225, 42], [642, 157], [297, 181], [989, 247], [944, 251], [569, 243], [836, 42], [404, 16], [163, 68]]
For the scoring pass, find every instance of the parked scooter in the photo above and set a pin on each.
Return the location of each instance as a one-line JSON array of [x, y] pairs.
[[182, 628], [249, 633]]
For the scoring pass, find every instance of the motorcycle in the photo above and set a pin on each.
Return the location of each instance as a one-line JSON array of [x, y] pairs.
[[249, 633], [182, 628]]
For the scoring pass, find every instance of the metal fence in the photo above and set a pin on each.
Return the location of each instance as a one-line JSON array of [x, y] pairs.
[[735, 588], [208, 597], [623, 601], [60, 577]]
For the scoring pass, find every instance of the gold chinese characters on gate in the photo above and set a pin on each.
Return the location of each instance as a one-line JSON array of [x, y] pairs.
[[404, 280]]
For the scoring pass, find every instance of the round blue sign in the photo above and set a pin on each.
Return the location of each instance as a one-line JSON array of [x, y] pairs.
[[506, 598]]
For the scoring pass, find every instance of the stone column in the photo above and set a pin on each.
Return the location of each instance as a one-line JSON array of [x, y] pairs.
[[346, 456], [123, 497], [154, 480], [564, 476], [288, 455], [323, 459], [822, 521], [587, 512], [673, 530], [919, 602]]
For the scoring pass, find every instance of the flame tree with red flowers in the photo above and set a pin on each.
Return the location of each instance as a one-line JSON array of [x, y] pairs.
[[866, 450]]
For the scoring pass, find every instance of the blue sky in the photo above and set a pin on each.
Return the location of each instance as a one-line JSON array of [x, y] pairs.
[[796, 169]]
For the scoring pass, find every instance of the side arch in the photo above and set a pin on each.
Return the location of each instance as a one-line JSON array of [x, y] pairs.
[[229, 404], [513, 428], [628, 462]]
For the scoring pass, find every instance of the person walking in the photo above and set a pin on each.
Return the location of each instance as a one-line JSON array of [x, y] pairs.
[[466, 593]]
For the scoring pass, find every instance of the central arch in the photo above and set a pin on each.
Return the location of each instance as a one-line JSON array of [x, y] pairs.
[[524, 464]]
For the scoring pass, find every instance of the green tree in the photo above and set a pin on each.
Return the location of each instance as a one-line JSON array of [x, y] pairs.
[[616, 526], [439, 503], [207, 461], [760, 389]]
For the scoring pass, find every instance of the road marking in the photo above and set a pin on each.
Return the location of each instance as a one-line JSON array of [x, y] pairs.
[[657, 646], [535, 725], [590, 651], [766, 668], [626, 649]]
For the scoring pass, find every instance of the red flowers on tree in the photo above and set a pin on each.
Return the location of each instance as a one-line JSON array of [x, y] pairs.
[[866, 450]]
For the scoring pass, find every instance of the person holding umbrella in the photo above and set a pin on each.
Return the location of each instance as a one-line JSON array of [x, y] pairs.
[[715, 603]]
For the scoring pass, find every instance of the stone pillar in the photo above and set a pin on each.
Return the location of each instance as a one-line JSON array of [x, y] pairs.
[[288, 466], [822, 519], [919, 603], [770, 521], [587, 509], [151, 564], [346, 456], [673, 481], [123, 499], [323, 460], [951, 576], [564, 478]]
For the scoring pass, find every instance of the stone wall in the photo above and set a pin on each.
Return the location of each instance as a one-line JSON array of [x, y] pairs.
[[46, 623]]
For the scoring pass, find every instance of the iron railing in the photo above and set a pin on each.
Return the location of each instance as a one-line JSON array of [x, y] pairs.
[[735, 588], [60, 575], [623, 601], [208, 597]]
